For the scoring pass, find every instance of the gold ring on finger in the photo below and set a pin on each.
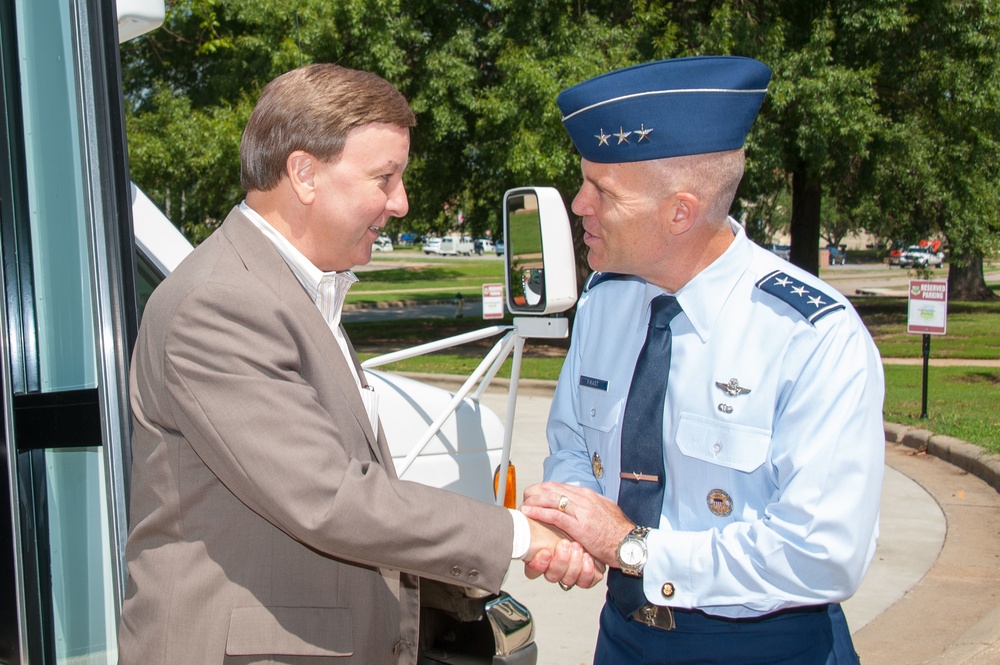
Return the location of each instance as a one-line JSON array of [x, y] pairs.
[[563, 502]]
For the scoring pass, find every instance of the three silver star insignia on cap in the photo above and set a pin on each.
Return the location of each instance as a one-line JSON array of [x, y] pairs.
[[622, 135]]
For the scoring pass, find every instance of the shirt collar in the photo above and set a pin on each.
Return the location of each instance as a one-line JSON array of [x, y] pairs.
[[703, 297], [318, 284]]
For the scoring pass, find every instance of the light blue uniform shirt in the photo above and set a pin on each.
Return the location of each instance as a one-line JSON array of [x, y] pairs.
[[799, 458]]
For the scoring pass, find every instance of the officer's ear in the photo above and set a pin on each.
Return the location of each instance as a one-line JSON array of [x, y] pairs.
[[300, 168], [684, 212]]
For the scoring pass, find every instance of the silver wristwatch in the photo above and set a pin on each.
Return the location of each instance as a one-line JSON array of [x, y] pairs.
[[632, 551]]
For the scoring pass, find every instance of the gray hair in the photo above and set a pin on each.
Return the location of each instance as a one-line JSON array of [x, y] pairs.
[[713, 177]]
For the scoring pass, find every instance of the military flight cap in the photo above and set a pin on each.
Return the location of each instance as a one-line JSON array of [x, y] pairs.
[[667, 108]]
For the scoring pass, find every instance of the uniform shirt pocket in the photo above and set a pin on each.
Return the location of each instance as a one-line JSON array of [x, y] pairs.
[[598, 409], [290, 631], [731, 445]]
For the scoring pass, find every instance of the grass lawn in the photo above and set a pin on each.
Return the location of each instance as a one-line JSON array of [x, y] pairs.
[[423, 279], [961, 401]]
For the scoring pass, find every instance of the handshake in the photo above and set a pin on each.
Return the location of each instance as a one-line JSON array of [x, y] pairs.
[[575, 534]]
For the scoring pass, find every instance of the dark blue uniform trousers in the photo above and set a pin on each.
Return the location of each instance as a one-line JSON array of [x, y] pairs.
[[803, 636]]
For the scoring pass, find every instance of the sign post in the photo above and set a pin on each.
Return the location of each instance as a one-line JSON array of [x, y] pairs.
[[927, 314]]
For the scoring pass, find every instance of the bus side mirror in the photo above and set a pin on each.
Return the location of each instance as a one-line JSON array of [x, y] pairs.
[[540, 266], [137, 17]]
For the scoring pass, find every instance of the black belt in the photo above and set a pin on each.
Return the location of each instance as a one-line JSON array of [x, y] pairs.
[[662, 617]]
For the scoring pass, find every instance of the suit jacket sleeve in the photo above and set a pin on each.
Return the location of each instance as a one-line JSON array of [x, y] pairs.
[[268, 405]]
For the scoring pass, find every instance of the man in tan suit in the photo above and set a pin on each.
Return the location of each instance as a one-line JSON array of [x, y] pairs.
[[267, 523]]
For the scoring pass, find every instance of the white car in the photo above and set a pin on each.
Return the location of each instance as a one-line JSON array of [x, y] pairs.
[[432, 246], [920, 257], [382, 244]]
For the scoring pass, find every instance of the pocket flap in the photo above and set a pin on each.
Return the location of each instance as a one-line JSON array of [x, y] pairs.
[[290, 631], [598, 409], [731, 445]]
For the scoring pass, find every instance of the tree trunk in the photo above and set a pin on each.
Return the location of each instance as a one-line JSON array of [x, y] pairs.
[[966, 280], [806, 196]]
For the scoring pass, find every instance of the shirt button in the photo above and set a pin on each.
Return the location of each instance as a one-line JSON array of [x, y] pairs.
[[668, 590], [593, 412], [717, 448], [455, 571]]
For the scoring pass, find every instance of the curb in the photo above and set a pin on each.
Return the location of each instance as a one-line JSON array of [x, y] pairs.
[[966, 456]]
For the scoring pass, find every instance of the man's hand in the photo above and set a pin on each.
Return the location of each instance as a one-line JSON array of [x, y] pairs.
[[560, 560], [592, 520]]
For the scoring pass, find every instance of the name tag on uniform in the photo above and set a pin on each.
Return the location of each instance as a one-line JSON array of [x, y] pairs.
[[599, 384]]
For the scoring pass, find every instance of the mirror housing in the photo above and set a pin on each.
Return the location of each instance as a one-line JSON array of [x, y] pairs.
[[539, 262], [137, 17]]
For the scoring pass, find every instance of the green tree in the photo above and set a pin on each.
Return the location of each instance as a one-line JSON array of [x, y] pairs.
[[933, 171], [884, 109]]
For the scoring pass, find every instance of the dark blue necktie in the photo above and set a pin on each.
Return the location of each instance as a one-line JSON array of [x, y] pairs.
[[640, 495]]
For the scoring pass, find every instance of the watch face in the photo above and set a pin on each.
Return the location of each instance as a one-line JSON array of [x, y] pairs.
[[632, 553]]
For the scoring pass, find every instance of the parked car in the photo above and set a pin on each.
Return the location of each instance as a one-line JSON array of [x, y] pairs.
[[499, 247], [432, 246], [784, 251], [916, 256], [483, 245], [382, 244]]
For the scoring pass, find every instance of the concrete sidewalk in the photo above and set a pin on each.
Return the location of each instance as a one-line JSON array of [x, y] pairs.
[[931, 596], [951, 616]]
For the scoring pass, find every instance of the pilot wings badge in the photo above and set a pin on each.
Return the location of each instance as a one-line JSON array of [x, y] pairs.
[[733, 388]]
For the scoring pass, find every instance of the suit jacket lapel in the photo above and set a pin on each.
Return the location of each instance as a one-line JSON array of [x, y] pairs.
[[263, 260]]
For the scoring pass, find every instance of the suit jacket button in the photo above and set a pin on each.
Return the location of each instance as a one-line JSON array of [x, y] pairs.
[[455, 571], [473, 574]]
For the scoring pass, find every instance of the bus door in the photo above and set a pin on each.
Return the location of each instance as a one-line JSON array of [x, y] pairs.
[[68, 320]]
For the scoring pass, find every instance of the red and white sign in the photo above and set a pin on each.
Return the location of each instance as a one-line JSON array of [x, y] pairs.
[[492, 301], [927, 310]]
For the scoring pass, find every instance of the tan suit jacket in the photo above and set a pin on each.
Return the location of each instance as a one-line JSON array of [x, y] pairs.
[[267, 523]]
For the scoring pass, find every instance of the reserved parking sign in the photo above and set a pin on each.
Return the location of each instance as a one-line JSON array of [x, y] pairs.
[[927, 307], [492, 301]]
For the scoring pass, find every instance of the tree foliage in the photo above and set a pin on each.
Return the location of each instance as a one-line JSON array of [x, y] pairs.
[[881, 114]]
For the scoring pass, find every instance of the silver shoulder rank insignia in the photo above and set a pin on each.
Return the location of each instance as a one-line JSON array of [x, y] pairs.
[[720, 503], [598, 466], [805, 299], [733, 388]]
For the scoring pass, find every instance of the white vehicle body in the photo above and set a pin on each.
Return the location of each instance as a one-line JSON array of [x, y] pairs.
[[920, 257], [455, 245], [382, 244], [431, 246]]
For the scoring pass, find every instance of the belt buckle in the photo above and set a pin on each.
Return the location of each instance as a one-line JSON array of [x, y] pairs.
[[655, 616]]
